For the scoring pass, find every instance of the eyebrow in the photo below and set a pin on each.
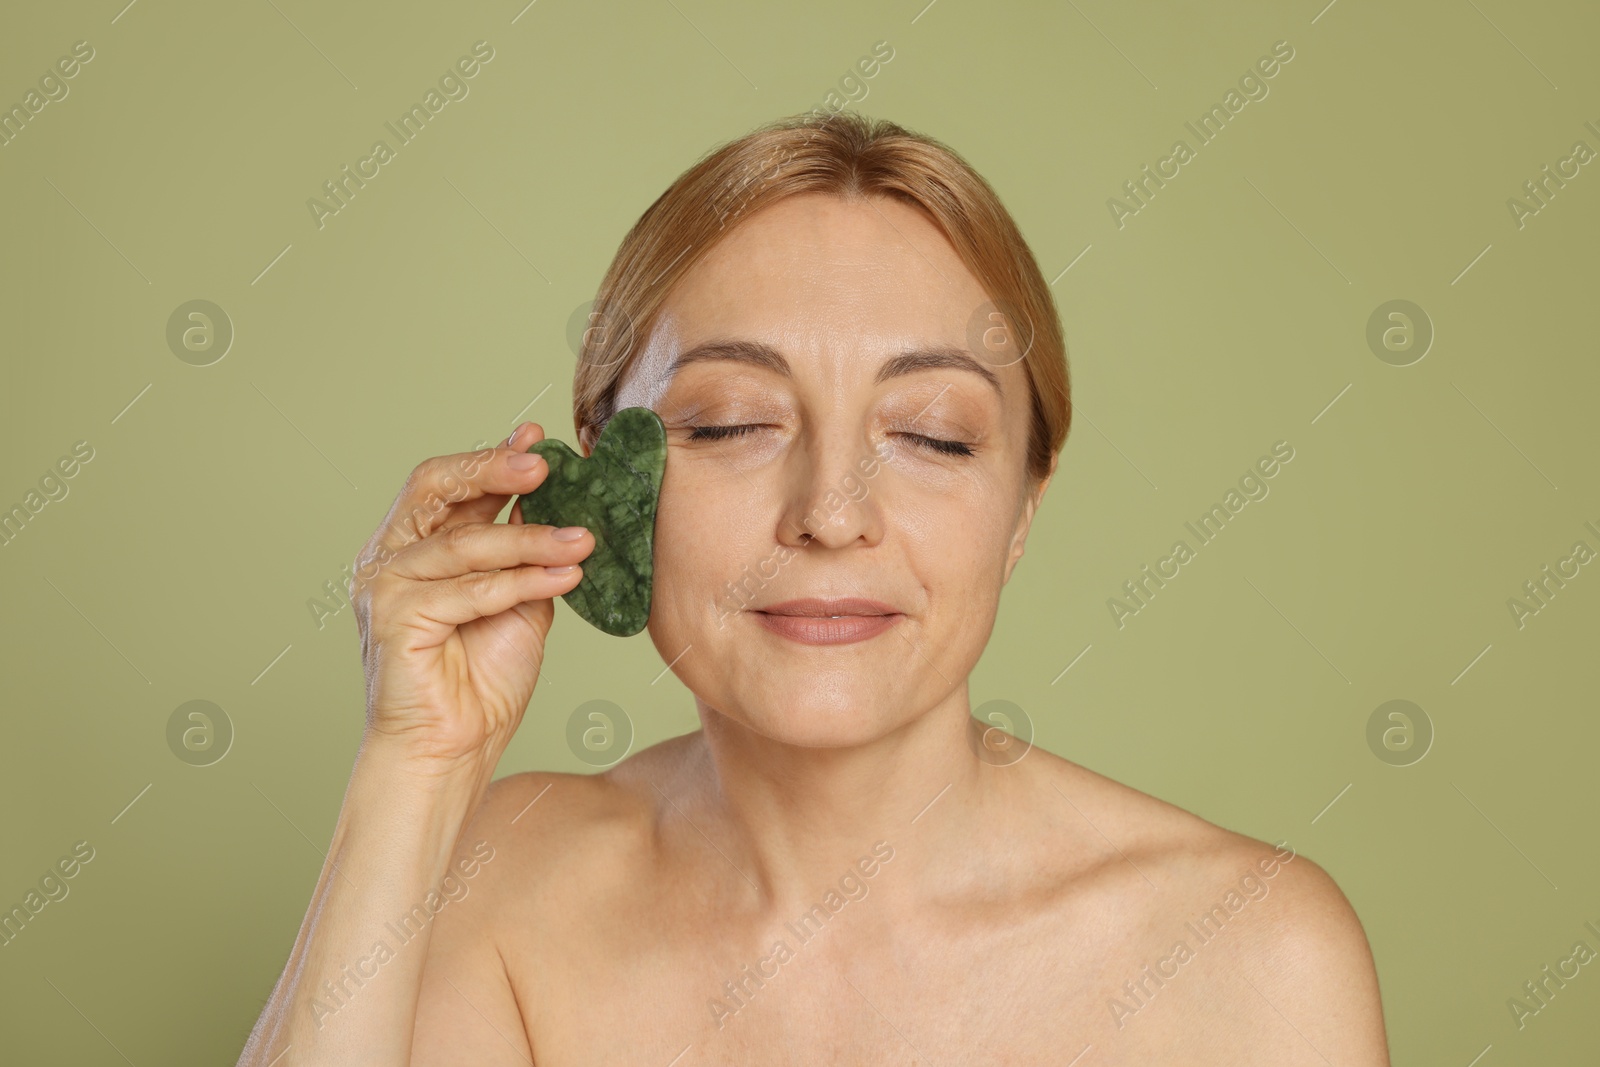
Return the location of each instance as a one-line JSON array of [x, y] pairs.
[[760, 354]]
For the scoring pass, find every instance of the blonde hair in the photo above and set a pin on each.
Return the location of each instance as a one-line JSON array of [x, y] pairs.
[[851, 156]]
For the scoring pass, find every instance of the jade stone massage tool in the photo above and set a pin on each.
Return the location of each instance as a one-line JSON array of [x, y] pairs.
[[613, 493]]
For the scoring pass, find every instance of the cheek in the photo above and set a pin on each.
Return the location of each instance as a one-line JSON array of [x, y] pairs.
[[705, 533], [955, 552], [960, 520]]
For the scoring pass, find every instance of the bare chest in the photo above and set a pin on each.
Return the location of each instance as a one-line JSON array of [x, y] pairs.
[[850, 990]]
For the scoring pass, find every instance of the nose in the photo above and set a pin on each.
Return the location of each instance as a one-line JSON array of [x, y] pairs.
[[832, 495]]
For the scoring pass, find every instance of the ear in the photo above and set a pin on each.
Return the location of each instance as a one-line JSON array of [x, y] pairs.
[[1025, 520]]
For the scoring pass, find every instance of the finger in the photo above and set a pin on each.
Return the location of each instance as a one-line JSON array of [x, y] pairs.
[[438, 487], [490, 546], [456, 601], [517, 480], [487, 508], [514, 440]]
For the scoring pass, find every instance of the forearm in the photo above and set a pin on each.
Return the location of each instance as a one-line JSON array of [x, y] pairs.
[[348, 993]]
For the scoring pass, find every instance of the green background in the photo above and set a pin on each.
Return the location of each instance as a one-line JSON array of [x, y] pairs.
[[423, 318]]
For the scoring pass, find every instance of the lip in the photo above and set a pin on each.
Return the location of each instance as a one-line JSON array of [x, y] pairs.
[[816, 621]]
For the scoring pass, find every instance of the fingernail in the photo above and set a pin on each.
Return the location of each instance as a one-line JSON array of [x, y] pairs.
[[567, 533], [561, 570], [523, 461], [512, 440]]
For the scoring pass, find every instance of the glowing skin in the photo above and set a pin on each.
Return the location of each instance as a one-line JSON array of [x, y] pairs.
[[837, 289], [648, 379]]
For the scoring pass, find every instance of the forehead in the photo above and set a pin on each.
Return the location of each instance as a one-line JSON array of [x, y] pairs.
[[817, 272]]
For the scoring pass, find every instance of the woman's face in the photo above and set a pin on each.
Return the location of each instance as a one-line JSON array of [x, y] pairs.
[[833, 435]]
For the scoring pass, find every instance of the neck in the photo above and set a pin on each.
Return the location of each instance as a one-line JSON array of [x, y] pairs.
[[791, 817]]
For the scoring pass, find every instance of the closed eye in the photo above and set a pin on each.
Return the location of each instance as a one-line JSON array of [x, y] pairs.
[[720, 433], [940, 445], [932, 444]]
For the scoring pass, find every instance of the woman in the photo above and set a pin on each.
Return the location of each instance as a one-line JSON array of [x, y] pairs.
[[864, 386]]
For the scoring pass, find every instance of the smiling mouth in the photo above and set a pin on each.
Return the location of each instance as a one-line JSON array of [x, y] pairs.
[[814, 621]]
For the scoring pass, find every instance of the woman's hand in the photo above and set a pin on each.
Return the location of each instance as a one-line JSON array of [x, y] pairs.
[[453, 610], [453, 622]]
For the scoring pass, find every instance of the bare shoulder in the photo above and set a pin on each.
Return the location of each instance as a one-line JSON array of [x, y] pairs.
[[1134, 826], [555, 828], [541, 846], [1288, 939]]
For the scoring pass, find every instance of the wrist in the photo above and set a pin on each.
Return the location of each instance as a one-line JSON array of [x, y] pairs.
[[405, 811], [404, 786], [420, 764]]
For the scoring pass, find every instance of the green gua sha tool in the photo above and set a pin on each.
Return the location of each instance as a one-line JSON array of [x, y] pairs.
[[613, 493]]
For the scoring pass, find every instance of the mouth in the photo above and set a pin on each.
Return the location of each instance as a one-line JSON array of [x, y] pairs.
[[815, 621]]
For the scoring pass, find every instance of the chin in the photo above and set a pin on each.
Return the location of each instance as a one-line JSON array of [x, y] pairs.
[[799, 698], [802, 716]]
